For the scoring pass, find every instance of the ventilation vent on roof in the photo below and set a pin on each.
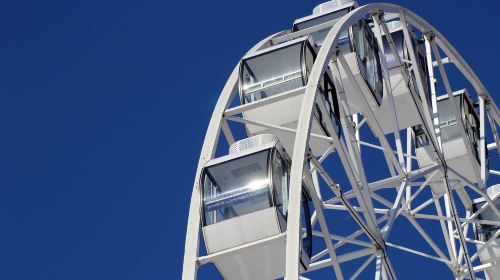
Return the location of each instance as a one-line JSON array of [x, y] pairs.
[[252, 142], [493, 190], [330, 5]]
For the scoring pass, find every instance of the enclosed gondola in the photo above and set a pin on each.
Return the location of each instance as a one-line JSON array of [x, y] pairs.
[[357, 44], [250, 213], [323, 18], [284, 70], [245, 200], [404, 103], [485, 232], [455, 150]]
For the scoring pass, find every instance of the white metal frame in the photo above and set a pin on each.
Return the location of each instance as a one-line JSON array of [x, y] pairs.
[[375, 215]]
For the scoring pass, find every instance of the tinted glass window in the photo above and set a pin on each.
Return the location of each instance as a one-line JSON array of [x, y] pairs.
[[449, 126], [471, 124], [236, 188], [484, 232], [422, 68], [321, 19], [319, 36], [393, 67], [329, 96], [306, 231], [367, 49], [398, 38], [310, 57], [424, 71], [420, 137], [272, 73], [281, 175], [447, 121]]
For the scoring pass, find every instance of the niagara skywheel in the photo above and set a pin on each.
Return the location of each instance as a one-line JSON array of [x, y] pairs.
[[332, 138]]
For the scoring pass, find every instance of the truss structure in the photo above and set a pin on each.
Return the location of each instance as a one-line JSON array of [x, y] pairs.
[[373, 204]]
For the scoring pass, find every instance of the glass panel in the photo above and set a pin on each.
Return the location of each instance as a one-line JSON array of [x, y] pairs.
[[484, 232], [422, 68], [306, 233], [281, 171], [329, 97], [424, 72], [447, 121], [471, 125], [310, 58], [420, 137], [398, 38], [321, 19], [236, 188], [319, 36], [272, 73], [344, 42], [367, 49]]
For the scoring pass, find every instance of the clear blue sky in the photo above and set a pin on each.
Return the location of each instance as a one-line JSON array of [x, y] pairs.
[[103, 110]]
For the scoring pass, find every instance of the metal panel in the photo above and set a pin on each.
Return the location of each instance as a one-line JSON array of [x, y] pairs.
[[241, 230]]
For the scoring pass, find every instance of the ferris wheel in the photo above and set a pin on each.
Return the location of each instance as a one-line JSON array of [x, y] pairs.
[[327, 134]]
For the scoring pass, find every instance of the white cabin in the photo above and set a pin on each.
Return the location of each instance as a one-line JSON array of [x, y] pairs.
[[406, 111], [485, 232], [454, 145], [358, 46], [284, 69], [244, 200]]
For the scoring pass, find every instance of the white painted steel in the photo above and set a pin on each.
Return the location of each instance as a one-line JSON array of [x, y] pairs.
[[254, 263], [208, 150], [446, 167]]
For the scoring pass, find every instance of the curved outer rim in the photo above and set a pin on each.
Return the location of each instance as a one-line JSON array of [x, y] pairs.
[[304, 126], [192, 242]]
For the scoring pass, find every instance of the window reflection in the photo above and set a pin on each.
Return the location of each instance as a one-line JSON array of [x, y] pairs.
[[319, 36], [306, 234], [235, 188], [272, 73], [285, 69], [281, 173], [367, 49], [398, 38], [393, 67], [244, 185], [485, 232], [420, 137], [447, 121]]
